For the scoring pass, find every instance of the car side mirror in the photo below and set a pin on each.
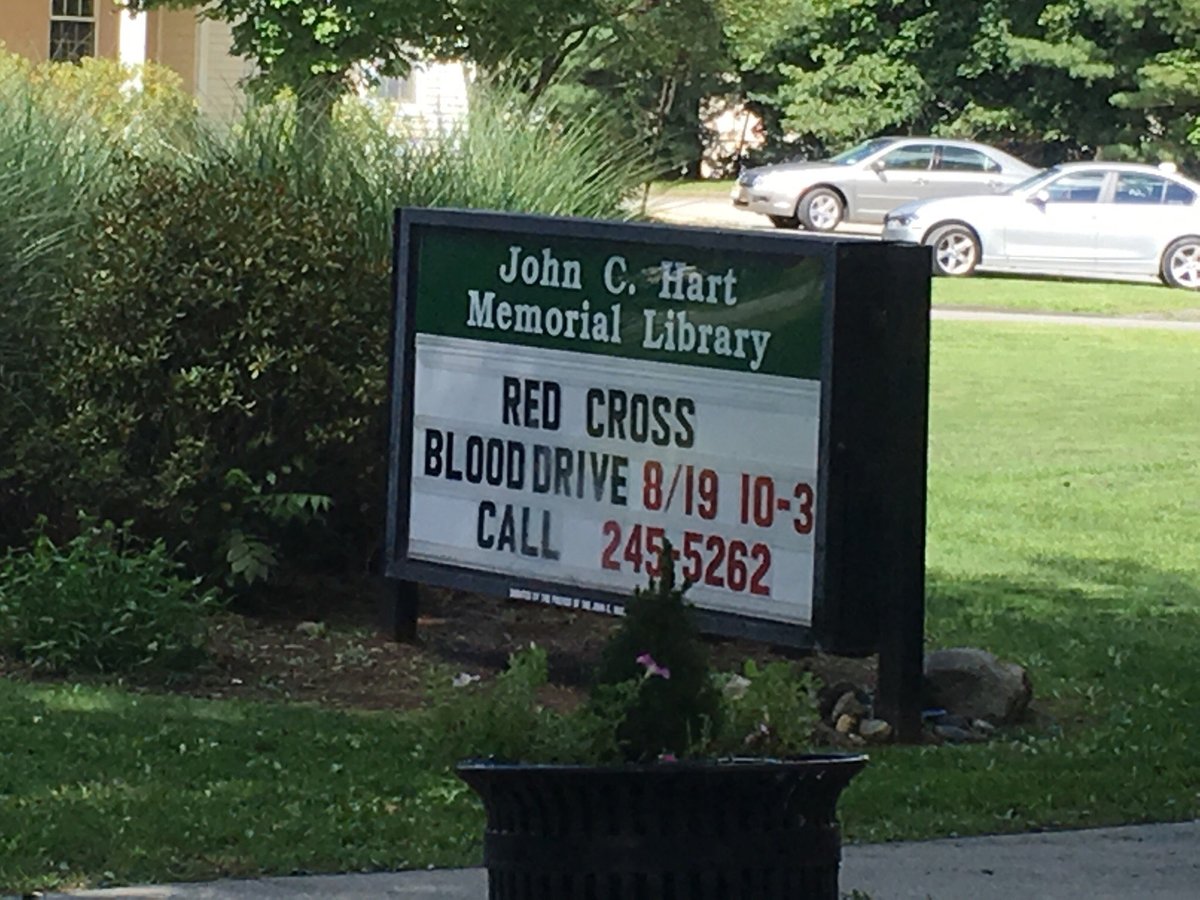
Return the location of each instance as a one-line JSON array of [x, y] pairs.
[[879, 165], [1041, 198]]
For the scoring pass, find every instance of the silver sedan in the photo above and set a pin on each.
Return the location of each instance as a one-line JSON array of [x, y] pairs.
[[1100, 220], [863, 183]]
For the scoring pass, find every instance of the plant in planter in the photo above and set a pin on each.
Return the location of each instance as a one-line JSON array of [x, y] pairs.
[[682, 795]]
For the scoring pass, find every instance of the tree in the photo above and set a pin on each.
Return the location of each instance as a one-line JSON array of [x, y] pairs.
[[1059, 78], [313, 46]]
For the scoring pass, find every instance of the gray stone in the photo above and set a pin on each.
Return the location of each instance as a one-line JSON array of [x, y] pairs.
[[848, 705], [845, 724], [955, 735], [875, 729], [975, 684]]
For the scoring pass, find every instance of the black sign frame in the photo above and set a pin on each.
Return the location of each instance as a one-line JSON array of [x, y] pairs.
[[870, 530]]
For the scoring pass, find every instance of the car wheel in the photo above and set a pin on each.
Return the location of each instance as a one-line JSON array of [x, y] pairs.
[[1181, 264], [821, 210], [955, 250], [784, 221]]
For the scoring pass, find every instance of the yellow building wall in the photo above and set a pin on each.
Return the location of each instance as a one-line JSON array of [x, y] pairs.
[[25, 28], [171, 42]]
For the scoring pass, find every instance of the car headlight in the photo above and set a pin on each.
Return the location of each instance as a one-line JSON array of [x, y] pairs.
[[901, 220]]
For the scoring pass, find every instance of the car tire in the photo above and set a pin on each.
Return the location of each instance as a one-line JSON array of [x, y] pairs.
[[955, 250], [1181, 264], [821, 209], [784, 221]]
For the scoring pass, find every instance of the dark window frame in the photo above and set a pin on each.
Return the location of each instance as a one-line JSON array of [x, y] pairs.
[[73, 30]]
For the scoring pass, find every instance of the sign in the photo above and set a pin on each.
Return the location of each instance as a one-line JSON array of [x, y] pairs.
[[571, 397]]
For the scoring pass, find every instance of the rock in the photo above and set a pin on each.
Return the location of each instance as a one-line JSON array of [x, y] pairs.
[[983, 726], [878, 730], [311, 629], [976, 685], [955, 735], [845, 725], [848, 705], [953, 721], [829, 695]]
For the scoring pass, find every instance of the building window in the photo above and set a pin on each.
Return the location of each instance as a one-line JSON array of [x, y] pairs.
[[398, 90], [72, 29]]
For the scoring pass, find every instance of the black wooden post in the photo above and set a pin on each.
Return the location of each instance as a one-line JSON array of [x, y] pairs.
[[872, 592], [398, 611]]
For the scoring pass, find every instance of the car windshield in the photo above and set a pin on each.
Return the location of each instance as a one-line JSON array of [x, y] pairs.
[[861, 151], [1033, 180]]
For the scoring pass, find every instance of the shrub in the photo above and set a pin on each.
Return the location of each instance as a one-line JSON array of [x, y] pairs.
[[768, 710], [505, 718], [226, 345], [65, 133], [100, 603], [222, 325], [676, 706], [194, 318]]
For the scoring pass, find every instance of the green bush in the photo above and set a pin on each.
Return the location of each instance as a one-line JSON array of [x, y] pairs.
[[194, 319], [506, 719], [226, 337], [100, 603], [768, 710], [676, 707], [66, 132]]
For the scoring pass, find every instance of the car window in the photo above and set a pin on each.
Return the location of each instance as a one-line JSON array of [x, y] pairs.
[[964, 159], [1138, 187], [859, 152], [1178, 195], [913, 156], [1076, 187]]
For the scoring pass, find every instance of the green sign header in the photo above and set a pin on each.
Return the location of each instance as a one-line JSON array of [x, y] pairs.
[[721, 309]]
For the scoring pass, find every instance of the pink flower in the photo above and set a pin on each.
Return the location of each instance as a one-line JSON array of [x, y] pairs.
[[667, 757], [646, 661]]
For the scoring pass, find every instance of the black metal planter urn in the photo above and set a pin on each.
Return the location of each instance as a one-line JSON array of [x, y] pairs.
[[737, 829]]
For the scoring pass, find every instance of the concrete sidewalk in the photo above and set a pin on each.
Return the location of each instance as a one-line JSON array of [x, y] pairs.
[[1139, 862]]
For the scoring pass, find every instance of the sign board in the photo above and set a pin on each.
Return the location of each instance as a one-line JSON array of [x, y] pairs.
[[571, 396]]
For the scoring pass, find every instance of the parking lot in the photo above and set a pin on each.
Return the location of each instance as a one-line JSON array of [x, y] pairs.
[[679, 206]]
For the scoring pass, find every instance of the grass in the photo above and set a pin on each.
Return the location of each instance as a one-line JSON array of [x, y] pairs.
[[1063, 508], [1103, 298], [98, 785]]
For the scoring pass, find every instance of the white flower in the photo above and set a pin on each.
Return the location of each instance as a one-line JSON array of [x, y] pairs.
[[735, 687]]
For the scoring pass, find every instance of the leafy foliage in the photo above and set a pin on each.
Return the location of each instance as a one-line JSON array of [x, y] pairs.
[[669, 713], [197, 319], [1054, 79], [225, 331], [506, 718], [62, 147], [312, 47], [100, 603], [769, 710]]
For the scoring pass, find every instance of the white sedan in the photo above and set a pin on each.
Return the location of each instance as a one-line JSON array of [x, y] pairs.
[[1096, 219]]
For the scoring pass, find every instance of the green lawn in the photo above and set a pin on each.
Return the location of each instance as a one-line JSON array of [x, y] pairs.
[[100, 785], [1104, 298], [1064, 533]]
